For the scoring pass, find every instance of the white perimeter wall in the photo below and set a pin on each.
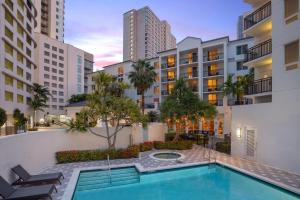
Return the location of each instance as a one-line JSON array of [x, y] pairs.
[[36, 150]]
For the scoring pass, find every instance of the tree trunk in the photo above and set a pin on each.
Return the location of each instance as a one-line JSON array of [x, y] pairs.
[[107, 133], [143, 102], [177, 133], [34, 116]]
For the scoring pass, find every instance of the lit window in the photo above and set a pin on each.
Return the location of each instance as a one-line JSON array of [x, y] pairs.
[[21, 4], [20, 17], [20, 30], [8, 49], [20, 98], [9, 34], [20, 44], [9, 65], [9, 96], [9, 18], [212, 98], [20, 71], [20, 57], [9, 80], [20, 85]]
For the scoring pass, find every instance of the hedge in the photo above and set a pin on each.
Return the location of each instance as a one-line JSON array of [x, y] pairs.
[[92, 155], [146, 146], [223, 147], [178, 145]]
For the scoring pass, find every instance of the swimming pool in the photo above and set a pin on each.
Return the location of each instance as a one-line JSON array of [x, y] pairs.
[[202, 183]]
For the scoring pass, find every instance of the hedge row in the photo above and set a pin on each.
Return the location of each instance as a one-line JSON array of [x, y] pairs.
[[179, 145], [91, 155]]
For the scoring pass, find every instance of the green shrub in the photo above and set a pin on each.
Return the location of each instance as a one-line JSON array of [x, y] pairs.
[[32, 129], [224, 147], [92, 155], [146, 146], [178, 145], [170, 135]]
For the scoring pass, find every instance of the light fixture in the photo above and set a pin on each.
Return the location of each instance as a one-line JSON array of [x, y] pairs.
[[239, 132]]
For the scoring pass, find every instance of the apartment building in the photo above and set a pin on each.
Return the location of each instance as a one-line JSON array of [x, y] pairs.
[[205, 66], [268, 130], [62, 69], [240, 27], [17, 22], [144, 34], [88, 68], [50, 18]]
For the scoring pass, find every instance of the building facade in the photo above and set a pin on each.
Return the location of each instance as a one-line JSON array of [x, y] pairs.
[[17, 22], [268, 130], [144, 34], [240, 27], [50, 18]]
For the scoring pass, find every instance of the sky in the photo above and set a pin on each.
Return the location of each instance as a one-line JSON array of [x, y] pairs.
[[96, 26]]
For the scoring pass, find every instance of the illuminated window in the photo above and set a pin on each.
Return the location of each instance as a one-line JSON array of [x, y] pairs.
[[9, 96], [213, 54], [20, 57], [10, 4], [291, 10], [9, 34], [20, 71], [9, 18], [292, 55], [156, 90], [8, 49], [21, 4], [20, 30], [157, 77], [171, 75], [156, 65], [20, 85], [120, 71], [170, 87], [20, 98], [20, 17], [212, 98], [171, 61], [9, 80], [9, 65], [212, 84], [20, 44], [190, 72]]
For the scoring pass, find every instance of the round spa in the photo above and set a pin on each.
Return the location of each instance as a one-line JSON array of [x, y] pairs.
[[167, 156]]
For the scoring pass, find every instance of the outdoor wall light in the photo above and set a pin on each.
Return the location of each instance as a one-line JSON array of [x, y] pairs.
[[239, 132]]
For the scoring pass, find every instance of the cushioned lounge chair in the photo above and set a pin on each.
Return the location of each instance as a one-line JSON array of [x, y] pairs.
[[7, 192], [26, 178]]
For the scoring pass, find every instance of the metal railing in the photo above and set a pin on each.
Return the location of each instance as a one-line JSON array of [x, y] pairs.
[[109, 171], [217, 72], [258, 15], [165, 92], [166, 65], [259, 50], [189, 75], [166, 79], [216, 88], [219, 56], [235, 102], [260, 86], [218, 102], [184, 61]]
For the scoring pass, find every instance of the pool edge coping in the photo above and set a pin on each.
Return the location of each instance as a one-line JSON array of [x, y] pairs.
[[69, 191]]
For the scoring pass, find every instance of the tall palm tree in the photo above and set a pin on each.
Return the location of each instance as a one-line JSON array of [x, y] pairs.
[[142, 77], [40, 96]]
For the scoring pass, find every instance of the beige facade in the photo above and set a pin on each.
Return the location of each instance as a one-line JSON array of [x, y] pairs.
[[50, 18], [144, 34], [17, 22]]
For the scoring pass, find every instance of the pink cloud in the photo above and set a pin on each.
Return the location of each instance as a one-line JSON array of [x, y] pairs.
[[103, 63]]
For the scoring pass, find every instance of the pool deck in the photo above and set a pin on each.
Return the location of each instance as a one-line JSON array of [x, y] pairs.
[[196, 155]]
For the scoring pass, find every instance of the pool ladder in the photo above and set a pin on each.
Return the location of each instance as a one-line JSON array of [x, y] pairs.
[[211, 159], [108, 169]]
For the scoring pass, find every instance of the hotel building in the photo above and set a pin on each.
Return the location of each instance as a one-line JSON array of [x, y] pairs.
[[17, 58], [144, 34], [268, 130]]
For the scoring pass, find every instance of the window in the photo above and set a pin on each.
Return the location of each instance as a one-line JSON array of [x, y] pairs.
[[46, 76], [46, 61], [61, 72], [61, 108], [8, 49], [240, 66], [54, 99], [46, 68], [20, 58], [61, 79], [292, 55], [212, 98], [46, 53], [21, 4], [291, 10], [61, 86], [212, 84], [20, 30], [61, 93], [46, 84], [61, 100], [54, 85], [28, 52], [54, 92], [9, 96], [20, 98], [241, 49], [9, 80], [54, 63], [9, 34], [10, 4], [20, 85], [28, 76], [54, 106], [28, 39], [20, 71], [20, 16], [61, 65], [61, 51], [9, 18], [156, 90], [54, 78], [47, 46], [54, 55], [9, 65], [54, 48], [61, 58], [156, 65], [20, 43], [54, 70]]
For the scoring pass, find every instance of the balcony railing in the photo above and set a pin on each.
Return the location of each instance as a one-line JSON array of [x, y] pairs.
[[166, 65], [166, 79], [235, 102], [218, 102], [259, 50], [260, 86], [194, 88], [219, 56], [192, 60], [165, 92], [213, 72], [189, 75], [217, 88], [258, 15]]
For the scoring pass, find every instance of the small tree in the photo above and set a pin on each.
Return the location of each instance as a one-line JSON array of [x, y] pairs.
[[40, 96], [108, 104], [142, 77], [182, 105], [77, 98], [152, 116], [3, 117], [19, 119]]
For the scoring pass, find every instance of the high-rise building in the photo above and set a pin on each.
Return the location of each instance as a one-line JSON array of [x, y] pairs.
[[17, 22], [62, 68], [240, 27], [50, 18], [144, 34]]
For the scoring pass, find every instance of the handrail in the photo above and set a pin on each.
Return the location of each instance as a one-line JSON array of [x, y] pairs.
[[259, 50], [109, 172], [258, 15]]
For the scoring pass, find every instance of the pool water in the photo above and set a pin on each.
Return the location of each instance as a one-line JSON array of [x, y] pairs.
[[167, 156], [195, 183]]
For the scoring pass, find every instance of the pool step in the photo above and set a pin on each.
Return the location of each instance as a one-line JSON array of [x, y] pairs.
[[102, 179]]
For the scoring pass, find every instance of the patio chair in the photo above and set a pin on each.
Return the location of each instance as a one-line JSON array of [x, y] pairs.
[[7, 192], [26, 178]]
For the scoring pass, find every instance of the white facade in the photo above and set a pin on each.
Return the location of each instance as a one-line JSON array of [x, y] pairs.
[[61, 69], [144, 34], [50, 18], [17, 20], [268, 131]]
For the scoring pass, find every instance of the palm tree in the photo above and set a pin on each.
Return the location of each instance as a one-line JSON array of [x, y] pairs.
[[38, 101], [142, 77], [3, 118]]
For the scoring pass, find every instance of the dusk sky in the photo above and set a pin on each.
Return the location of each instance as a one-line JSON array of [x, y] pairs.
[[96, 26]]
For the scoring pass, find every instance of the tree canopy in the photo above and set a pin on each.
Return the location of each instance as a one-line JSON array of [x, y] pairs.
[[3, 117]]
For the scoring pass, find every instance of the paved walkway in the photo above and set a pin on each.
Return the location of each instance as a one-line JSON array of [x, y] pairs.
[[197, 154]]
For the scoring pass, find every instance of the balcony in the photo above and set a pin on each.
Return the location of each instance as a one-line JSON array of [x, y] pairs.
[[217, 88], [219, 56], [189, 75], [260, 50], [167, 65], [185, 61], [167, 79], [209, 73], [257, 16], [218, 102], [260, 86], [235, 102], [165, 92], [194, 88]]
